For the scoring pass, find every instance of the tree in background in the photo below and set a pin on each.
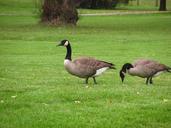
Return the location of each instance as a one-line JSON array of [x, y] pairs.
[[57, 12], [95, 4], [138, 2], [162, 5]]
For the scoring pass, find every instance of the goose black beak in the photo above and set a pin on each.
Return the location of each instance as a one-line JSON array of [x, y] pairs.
[[58, 45]]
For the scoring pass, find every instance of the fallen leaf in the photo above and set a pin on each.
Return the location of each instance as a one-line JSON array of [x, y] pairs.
[[13, 97], [2, 101], [77, 102], [165, 100]]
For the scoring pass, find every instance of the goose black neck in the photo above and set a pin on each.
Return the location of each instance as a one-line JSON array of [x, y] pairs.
[[123, 69], [69, 52]]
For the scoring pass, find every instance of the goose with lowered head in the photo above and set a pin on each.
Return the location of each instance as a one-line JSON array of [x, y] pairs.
[[144, 68]]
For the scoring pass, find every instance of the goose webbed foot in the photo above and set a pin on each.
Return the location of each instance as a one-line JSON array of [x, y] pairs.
[[94, 80]]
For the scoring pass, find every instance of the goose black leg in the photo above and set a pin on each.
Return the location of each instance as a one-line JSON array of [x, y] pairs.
[[151, 81], [94, 80], [147, 80], [86, 81]]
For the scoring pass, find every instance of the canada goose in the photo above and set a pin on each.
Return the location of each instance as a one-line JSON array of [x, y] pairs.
[[84, 67], [144, 68]]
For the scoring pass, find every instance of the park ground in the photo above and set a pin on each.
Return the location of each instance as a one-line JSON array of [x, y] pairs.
[[36, 91]]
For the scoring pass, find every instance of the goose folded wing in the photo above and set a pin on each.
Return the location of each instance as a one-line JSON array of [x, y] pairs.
[[142, 62], [156, 67], [92, 63]]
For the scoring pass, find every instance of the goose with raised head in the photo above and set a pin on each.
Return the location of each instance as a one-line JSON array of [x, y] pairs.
[[84, 67], [144, 68]]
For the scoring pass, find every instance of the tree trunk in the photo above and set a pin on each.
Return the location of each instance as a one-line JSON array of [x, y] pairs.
[[138, 2], [162, 5], [93, 4], [126, 1], [57, 12], [157, 3]]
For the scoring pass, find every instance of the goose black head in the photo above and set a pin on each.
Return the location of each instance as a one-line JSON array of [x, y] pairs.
[[124, 69], [64, 43]]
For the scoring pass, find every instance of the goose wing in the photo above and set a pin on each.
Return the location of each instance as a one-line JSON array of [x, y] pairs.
[[152, 67], [92, 63], [142, 62], [157, 67]]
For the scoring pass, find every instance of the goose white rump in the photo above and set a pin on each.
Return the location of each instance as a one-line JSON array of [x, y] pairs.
[[100, 71]]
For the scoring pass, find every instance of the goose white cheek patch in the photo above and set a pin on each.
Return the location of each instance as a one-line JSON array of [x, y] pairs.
[[66, 43], [124, 73]]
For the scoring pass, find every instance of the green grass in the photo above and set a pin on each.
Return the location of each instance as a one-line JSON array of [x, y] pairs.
[[19, 7], [36, 91]]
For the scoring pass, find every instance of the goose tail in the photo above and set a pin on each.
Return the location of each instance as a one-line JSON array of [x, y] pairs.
[[111, 65], [108, 64]]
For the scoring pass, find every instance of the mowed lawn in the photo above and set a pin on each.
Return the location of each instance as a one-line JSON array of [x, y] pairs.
[[36, 91]]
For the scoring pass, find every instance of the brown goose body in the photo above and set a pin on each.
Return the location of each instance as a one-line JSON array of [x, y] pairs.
[[146, 69], [84, 67]]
